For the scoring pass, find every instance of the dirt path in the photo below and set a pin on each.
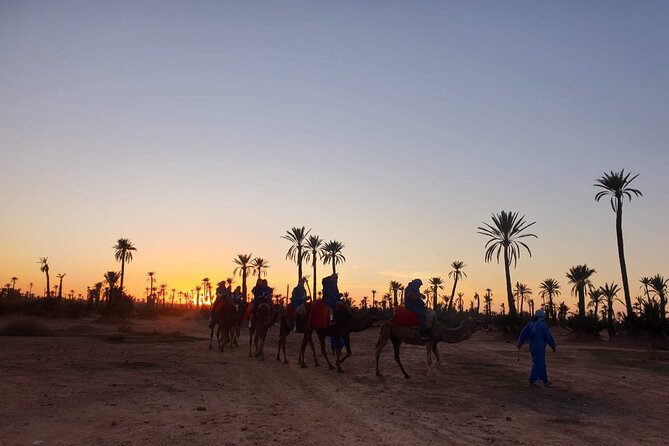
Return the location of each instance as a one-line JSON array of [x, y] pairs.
[[159, 384]]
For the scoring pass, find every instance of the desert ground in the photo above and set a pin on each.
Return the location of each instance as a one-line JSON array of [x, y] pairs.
[[155, 382]]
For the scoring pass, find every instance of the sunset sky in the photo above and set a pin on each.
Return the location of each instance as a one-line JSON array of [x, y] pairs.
[[202, 130]]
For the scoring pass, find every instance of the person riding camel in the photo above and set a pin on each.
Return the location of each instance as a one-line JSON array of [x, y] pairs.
[[236, 297], [222, 293], [298, 300], [413, 300], [262, 293], [331, 294]]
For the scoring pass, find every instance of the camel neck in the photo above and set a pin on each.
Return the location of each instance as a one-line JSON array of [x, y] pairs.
[[452, 335]]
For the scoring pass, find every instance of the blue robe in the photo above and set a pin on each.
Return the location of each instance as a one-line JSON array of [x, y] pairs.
[[539, 335]]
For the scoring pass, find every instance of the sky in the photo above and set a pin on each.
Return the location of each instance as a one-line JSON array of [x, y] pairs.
[[203, 130]]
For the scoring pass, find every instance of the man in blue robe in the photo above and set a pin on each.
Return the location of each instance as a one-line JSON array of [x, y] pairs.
[[539, 335]]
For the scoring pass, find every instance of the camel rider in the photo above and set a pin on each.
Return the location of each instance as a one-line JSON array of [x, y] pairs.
[[331, 294], [262, 293], [236, 297], [413, 300], [298, 298], [222, 292]]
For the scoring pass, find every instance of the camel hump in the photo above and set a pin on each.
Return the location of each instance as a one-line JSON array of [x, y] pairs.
[[319, 317], [405, 318]]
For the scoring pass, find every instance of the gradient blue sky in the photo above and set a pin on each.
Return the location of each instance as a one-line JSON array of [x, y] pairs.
[[201, 130]]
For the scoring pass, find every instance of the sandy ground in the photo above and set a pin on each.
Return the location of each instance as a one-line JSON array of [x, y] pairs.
[[158, 384]]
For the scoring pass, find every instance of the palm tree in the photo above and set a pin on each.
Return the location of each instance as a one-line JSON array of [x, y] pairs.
[[594, 299], [297, 236], [460, 301], [659, 286], [550, 288], [197, 301], [530, 303], [487, 299], [123, 254], [456, 274], [174, 290], [259, 266], [206, 286], [111, 277], [616, 185], [579, 276], [394, 288], [243, 261], [60, 285], [645, 283], [437, 284], [562, 313], [520, 292], [478, 302], [505, 238], [44, 267], [331, 253], [163, 287], [14, 279], [30, 289], [150, 298], [373, 298], [314, 243], [609, 292]]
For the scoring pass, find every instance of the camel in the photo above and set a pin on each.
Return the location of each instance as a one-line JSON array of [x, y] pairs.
[[265, 315], [345, 324], [227, 318], [409, 335]]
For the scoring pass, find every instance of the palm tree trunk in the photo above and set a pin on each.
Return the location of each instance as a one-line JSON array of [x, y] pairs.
[[334, 267], [313, 263], [581, 304], [621, 256], [509, 292], [299, 265], [455, 284], [122, 273], [244, 283], [48, 285]]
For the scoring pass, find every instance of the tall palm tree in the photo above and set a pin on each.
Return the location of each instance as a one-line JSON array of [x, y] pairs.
[[259, 267], [487, 299], [437, 284], [579, 277], [659, 286], [616, 186], [394, 288], [520, 292], [174, 290], [44, 267], [562, 313], [243, 261], [456, 274], [610, 292], [30, 289], [298, 237], [373, 298], [331, 253], [460, 301], [594, 299], [163, 287], [550, 288], [505, 238], [314, 243], [530, 303], [60, 285], [123, 254], [14, 279]]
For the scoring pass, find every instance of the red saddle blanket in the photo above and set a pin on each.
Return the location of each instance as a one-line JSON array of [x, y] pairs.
[[291, 312], [405, 317], [320, 315]]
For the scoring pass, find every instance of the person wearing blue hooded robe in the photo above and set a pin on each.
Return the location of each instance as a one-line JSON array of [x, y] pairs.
[[413, 301], [539, 335]]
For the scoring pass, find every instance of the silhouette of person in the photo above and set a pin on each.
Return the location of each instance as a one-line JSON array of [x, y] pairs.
[[539, 335]]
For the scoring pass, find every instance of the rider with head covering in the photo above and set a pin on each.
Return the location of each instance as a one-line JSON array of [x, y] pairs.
[[413, 300], [539, 335], [331, 293]]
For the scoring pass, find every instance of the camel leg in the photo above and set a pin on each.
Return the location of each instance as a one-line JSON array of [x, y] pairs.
[[428, 348], [283, 347], [383, 340], [211, 334], [338, 359], [250, 341], [321, 338], [261, 344], [303, 346], [435, 350], [313, 351], [347, 344], [396, 348], [282, 339]]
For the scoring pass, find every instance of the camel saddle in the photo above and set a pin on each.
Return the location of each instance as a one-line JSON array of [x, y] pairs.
[[405, 318], [319, 317]]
